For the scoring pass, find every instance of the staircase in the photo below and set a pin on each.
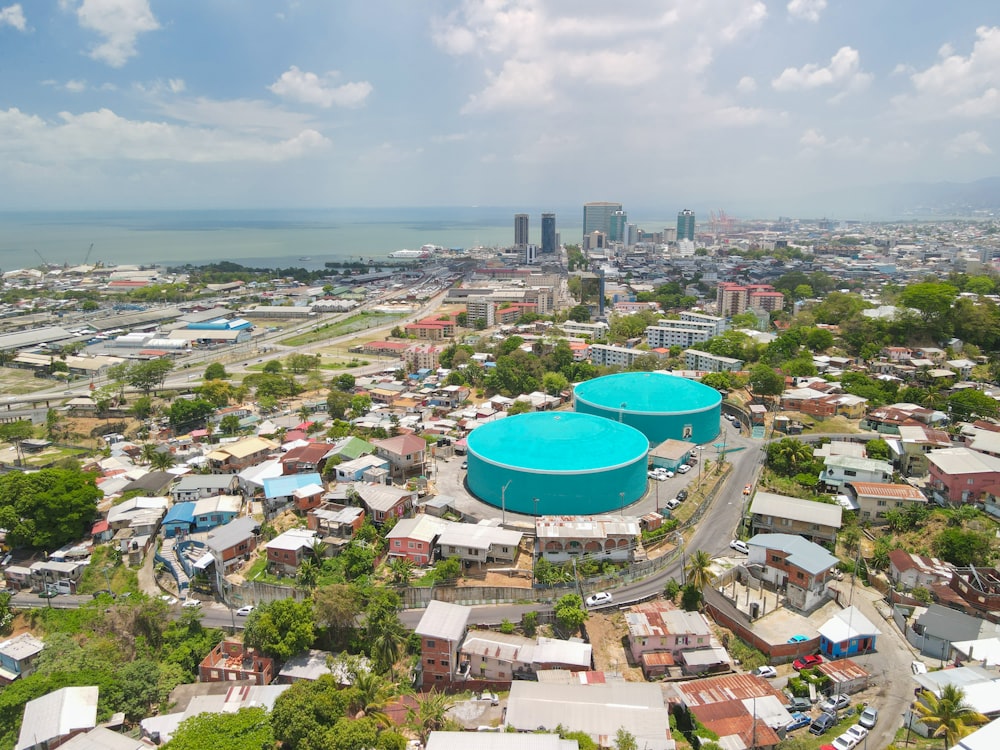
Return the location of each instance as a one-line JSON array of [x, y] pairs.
[[169, 556]]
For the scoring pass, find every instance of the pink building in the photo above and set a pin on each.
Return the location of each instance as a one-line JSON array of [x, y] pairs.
[[660, 627], [962, 475], [413, 539]]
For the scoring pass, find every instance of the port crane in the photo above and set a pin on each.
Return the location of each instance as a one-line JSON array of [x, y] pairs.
[[89, 251], [44, 262]]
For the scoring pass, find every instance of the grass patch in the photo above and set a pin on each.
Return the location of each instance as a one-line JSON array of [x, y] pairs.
[[355, 323]]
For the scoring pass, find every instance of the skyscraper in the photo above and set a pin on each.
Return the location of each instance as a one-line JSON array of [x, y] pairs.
[[597, 216], [548, 233], [520, 229], [685, 225], [616, 230]]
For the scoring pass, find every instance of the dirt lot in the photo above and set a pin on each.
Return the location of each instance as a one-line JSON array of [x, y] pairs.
[[607, 631]]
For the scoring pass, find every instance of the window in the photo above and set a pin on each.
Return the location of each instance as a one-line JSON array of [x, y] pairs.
[[799, 575], [815, 527], [430, 661], [410, 545], [850, 473], [396, 543], [882, 503], [775, 558], [431, 644]]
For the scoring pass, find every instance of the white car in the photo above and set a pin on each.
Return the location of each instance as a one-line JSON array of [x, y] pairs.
[[170, 600], [673, 504], [767, 671], [244, 611], [740, 546], [493, 698], [683, 469], [845, 741], [598, 599], [857, 731], [190, 603]]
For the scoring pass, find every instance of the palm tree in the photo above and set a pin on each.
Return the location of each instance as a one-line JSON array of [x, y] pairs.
[[371, 694], [402, 571], [308, 575], [430, 714], [698, 570], [162, 460], [386, 637], [948, 716], [148, 451]]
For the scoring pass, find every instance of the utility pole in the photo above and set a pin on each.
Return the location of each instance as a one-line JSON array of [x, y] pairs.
[[503, 501]]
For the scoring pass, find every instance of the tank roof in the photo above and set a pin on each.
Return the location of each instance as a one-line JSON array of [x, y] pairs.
[[647, 393]]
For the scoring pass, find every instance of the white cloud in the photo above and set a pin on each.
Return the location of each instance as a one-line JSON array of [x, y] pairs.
[[963, 75], [309, 88], [119, 22], [251, 116], [970, 142], [751, 17], [76, 86], [519, 85], [13, 15], [812, 138], [104, 135], [746, 85], [806, 10], [844, 72], [176, 85]]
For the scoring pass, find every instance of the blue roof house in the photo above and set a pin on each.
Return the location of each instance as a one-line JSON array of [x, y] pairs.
[[280, 491], [179, 520]]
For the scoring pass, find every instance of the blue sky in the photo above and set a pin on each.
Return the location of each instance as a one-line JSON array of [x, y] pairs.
[[742, 104]]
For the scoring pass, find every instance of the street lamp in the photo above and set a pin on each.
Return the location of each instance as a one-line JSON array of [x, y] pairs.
[[536, 506], [621, 511], [621, 410], [503, 501]]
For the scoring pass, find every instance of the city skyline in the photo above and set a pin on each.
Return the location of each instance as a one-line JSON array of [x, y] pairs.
[[761, 108]]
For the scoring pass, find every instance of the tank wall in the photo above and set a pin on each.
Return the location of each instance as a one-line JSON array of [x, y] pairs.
[[558, 494], [703, 425]]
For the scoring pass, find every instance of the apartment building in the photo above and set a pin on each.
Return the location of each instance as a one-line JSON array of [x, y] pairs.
[[695, 359]]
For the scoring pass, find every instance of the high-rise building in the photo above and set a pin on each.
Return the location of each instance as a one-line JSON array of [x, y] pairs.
[[520, 229], [616, 230], [549, 243], [685, 225], [597, 216]]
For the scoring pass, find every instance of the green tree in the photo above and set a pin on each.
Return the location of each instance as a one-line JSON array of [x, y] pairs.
[[877, 449], [272, 367], [47, 508], [788, 457], [162, 460], [337, 608], [187, 414], [960, 547], [361, 404], [932, 299], [247, 728], [300, 364], [949, 716], [148, 375], [230, 424], [580, 314], [554, 383], [344, 382], [430, 713], [570, 613], [698, 570], [142, 408], [401, 570], [218, 392], [625, 740], [765, 381], [281, 628], [338, 403], [818, 339], [16, 433], [216, 371], [518, 407], [972, 404], [691, 598]]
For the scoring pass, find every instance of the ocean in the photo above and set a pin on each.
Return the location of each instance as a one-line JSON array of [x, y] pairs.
[[257, 238]]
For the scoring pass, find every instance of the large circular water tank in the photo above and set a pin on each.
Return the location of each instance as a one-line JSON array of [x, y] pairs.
[[557, 463], [660, 406]]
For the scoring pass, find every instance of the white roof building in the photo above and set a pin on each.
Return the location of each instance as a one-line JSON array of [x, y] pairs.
[[57, 714]]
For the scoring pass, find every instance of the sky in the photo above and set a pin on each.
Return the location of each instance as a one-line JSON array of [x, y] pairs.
[[745, 105]]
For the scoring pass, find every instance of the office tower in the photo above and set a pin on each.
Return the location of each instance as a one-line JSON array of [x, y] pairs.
[[597, 216], [685, 225], [616, 230], [520, 229], [549, 243], [527, 254]]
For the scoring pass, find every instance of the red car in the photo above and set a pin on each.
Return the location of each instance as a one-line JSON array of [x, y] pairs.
[[807, 662]]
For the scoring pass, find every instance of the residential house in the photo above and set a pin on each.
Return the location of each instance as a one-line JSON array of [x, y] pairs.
[[657, 627], [55, 718], [355, 469], [841, 469], [406, 455], [909, 570], [17, 657], [312, 664], [742, 709], [874, 500], [980, 688], [934, 629], [847, 633], [845, 675], [962, 475], [961, 367], [334, 523], [102, 738], [216, 510], [817, 522], [799, 566], [280, 491], [350, 448], [910, 449], [62, 575], [384, 501], [561, 538], [978, 590], [179, 520], [820, 404], [230, 545], [287, 550], [499, 657], [231, 660], [306, 459], [483, 542], [670, 454], [232, 458], [414, 539], [598, 710], [141, 515], [441, 629], [887, 419], [196, 486]]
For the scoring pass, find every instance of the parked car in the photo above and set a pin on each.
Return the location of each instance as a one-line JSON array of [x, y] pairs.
[[651, 474], [493, 698], [868, 717], [918, 667], [798, 721], [746, 489], [835, 703], [857, 731], [666, 473], [191, 603], [683, 469], [465, 464], [822, 723], [673, 504], [766, 671], [170, 600], [797, 639], [244, 611], [48, 593], [740, 546], [845, 742], [682, 495], [799, 704], [807, 662], [598, 599]]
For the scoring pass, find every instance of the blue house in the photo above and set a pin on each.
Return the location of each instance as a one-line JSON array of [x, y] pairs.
[[179, 520], [280, 491], [17, 657], [217, 510], [847, 633]]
